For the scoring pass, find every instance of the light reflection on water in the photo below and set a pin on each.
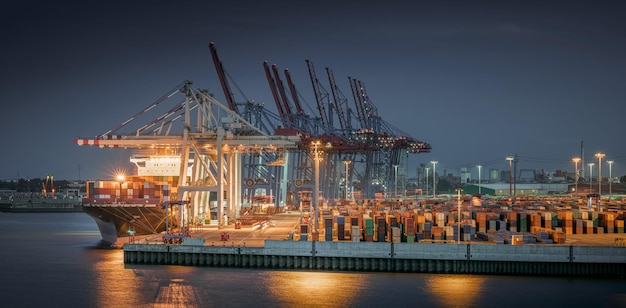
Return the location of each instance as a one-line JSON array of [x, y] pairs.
[[306, 289], [455, 290]]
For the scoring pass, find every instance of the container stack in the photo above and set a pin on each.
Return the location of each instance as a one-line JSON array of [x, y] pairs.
[[558, 237], [409, 229], [468, 233], [369, 229], [594, 218], [381, 228], [565, 221], [437, 233], [440, 219], [619, 226], [579, 226], [522, 222], [449, 233], [428, 229], [546, 220], [607, 221], [395, 235], [356, 234], [481, 221], [328, 229], [340, 227], [391, 222], [588, 226], [511, 218], [535, 220], [304, 232]]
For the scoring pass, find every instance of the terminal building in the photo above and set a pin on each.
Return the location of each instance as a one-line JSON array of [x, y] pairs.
[[504, 189]]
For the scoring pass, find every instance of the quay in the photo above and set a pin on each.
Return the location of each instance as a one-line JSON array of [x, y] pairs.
[[593, 255]]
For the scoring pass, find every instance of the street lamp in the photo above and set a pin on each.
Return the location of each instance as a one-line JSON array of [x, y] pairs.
[[599, 156], [317, 156], [427, 168], [576, 160], [590, 176], [479, 167], [510, 159], [458, 199], [434, 162], [610, 178], [395, 180], [347, 163]]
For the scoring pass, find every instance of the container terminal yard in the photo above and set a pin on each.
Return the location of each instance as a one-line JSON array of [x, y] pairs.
[[518, 236], [508, 221], [237, 185]]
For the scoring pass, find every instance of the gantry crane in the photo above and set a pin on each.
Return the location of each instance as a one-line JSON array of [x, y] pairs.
[[212, 141]]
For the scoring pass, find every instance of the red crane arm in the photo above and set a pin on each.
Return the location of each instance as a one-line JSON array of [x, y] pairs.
[[222, 76]]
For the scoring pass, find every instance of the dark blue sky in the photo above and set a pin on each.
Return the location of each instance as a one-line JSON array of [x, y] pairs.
[[478, 80]]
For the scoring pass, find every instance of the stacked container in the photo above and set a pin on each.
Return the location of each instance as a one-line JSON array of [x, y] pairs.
[[619, 226], [381, 228], [607, 221], [565, 221], [340, 227], [369, 229], [328, 229]]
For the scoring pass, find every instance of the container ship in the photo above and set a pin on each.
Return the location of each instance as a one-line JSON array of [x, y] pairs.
[[136, 204]]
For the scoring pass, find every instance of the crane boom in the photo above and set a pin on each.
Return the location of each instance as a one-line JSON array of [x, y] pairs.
[[283, 96], [294, 93], [340, 102], [272, 83], [320, 96], [222, 77]]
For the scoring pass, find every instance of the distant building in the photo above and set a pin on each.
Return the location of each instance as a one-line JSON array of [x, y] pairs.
[[503, 189]]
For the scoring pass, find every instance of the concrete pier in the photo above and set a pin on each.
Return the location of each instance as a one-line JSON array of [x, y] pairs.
[[394, 257]]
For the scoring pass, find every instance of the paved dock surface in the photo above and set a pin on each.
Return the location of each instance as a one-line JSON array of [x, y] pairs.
[[281, 226]]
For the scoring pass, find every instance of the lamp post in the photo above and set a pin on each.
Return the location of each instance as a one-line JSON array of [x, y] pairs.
[[458, 200], [599, 156], [434, 162], [427, 168], [347, 163], [590, 176], [316, 157], [479, 167], [395, 180], [576, 160], [610, 178], [510, 159]]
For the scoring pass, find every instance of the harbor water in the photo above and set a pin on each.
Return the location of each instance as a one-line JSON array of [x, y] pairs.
[[55, 260]]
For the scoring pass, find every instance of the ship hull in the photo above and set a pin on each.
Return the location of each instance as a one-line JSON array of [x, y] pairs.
[[117, 220]]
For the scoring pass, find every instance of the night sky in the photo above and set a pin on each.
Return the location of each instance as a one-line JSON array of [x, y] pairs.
[[478, 80]]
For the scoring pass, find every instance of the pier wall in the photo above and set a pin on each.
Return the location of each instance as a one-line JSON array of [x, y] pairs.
[[394, 257]]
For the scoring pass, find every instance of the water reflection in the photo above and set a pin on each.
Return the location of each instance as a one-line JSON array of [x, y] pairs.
[[112, 282], [455, 290], [315, 288], [177, 294]]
